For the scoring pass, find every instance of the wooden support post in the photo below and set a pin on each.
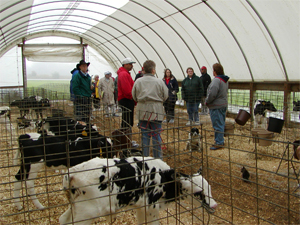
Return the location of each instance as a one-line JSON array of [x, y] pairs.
[[24, 69], [251, 103], [83, 50], [286, 104]]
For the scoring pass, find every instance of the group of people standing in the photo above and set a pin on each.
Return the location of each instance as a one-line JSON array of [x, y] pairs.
[[154, 98], [82, 87]]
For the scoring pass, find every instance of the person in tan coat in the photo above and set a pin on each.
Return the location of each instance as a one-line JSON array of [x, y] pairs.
[[106, 93], [150, 93]]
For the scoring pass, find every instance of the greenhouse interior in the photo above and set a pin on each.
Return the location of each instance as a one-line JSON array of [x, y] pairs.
[[86, 85]]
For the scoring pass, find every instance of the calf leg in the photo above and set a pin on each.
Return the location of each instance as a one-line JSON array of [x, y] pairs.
[[35, 168], [188, 146], [78, 214], [66, 217], [17, 189]]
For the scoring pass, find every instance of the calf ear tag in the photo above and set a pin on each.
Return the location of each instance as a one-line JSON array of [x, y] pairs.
[[84, 133], [101, 152]]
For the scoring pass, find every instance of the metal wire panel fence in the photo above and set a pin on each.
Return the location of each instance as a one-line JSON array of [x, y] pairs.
[[268, 194]]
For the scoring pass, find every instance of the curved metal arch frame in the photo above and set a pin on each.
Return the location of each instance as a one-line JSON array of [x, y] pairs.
[[109, 25], [203, 35], [138, 33], [272, 38], [234, 37], [181, 11], [96, 34], [102, 22], [163, 19]]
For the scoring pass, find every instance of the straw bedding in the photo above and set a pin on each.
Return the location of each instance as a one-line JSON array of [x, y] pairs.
[[221, 168]]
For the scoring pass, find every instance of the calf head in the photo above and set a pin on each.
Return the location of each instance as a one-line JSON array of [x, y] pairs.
[[262, 106], [45, 102], [15, 103], [58, 126], [5, 112], [194, 131], [198, 191], [296, 106], [85, 130], [105, 145]]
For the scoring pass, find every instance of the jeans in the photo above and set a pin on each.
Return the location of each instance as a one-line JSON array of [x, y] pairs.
[[217, 117], [151, 129], [192, 109]]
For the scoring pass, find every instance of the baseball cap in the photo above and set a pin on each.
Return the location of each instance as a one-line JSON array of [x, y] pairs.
[[203, 68], [127, 61]]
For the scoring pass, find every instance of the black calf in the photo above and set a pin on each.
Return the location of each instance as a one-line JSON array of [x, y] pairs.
[[261, 106], [296, 105]]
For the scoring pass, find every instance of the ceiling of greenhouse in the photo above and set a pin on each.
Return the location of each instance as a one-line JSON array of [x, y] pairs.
[[254, 40]]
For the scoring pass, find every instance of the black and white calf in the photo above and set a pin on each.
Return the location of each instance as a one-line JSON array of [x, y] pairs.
[[194, 141], [260, 109], [39, 149], [5, 117], [100, 187], [32, 103], [59, 125], [296, 105]]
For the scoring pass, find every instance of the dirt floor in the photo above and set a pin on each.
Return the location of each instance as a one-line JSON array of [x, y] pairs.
[[271, 196]]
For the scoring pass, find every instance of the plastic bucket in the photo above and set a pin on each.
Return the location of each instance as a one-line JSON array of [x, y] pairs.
[[229, 128], [254, 133], [242, 117], [266, 135], [275, 125]]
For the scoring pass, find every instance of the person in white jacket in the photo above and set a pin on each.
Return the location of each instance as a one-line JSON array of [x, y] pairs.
[[106, 89], [150, 93]]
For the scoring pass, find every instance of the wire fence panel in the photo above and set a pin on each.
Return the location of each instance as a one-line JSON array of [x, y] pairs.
[[98, 172]]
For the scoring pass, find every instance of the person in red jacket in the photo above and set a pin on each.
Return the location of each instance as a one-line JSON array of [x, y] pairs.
[[125, 84]]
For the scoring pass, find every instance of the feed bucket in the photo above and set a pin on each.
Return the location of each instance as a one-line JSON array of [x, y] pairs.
[[242, 117], [267, 135], [229, 128], [275, 125], [254, 133]]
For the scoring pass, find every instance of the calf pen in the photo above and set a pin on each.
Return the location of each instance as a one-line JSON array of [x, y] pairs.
[[272, 195]]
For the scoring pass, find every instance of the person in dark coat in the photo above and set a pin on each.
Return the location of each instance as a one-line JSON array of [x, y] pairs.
[[192, 92], [169, 105], [82, 90], [206, 80], [139, 74]]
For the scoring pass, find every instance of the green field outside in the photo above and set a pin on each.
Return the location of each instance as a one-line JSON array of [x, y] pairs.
[[235, 97]]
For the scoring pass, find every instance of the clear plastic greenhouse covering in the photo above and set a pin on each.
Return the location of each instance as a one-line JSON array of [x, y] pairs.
[[254, 40]]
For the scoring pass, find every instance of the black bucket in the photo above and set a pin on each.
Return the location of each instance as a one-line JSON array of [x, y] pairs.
[[275, 125], [242, 117]]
